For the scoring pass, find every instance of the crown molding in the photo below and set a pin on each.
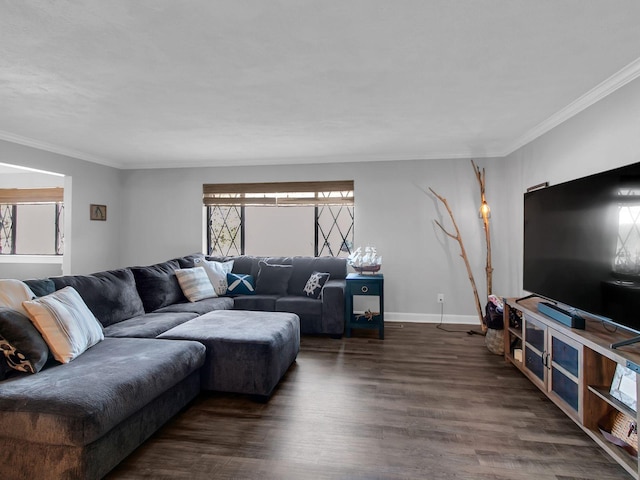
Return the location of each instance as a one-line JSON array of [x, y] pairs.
[[607, 87], [229, 162], [268, 161], [49, 147]]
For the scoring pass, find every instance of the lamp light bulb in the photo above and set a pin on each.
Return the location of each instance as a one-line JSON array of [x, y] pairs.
[[485, 211]]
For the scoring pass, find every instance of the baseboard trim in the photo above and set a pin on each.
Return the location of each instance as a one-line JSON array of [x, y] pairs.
[[430, 318]]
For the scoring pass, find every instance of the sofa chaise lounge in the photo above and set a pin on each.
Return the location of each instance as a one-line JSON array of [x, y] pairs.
[[80, 419], [285, 293]]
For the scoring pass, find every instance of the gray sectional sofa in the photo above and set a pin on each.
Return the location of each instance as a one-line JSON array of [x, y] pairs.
[[324, 315], [80, 419]]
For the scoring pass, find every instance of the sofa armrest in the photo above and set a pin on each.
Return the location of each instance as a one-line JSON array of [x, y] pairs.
[[333, 307]]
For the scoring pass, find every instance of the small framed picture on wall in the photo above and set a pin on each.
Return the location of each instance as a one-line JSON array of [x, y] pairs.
[[98, 212]]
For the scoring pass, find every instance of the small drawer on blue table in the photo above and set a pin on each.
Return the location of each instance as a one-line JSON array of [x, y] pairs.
[[357, 287]]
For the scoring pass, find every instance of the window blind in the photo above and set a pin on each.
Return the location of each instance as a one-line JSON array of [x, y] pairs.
[[279, 193], [13, 196]]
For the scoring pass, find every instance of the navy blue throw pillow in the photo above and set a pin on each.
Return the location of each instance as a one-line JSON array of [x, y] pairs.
[[41, 286], [240, 284]]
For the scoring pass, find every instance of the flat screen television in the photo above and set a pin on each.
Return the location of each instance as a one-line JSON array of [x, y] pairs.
[[582, 245]]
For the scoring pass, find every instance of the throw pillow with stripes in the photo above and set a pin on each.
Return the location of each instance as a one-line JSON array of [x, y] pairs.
[[65, 322], [195, 283]]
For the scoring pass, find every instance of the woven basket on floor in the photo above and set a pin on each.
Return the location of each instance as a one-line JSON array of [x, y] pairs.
[[620, 430], [625, 429], [494, 340]]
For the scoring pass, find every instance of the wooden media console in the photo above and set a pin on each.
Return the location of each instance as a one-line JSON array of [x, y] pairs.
[[573, 367]]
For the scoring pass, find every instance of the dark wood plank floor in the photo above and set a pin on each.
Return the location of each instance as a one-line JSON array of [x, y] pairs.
[[422, 404]]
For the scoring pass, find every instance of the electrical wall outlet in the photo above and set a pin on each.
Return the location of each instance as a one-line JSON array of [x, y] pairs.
[[441, 298]]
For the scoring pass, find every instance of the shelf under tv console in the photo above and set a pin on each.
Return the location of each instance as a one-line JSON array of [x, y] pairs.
[[573, 367]]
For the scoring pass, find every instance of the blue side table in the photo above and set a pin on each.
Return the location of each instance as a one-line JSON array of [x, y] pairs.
[[358, 284]]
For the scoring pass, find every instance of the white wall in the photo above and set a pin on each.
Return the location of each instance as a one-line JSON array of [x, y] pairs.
[[91, 246], [393, 212], [30, 180], [602, 137], [23, 271], [157, 214]]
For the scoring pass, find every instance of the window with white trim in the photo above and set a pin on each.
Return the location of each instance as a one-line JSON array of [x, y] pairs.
[[302, 218], [31, 221]]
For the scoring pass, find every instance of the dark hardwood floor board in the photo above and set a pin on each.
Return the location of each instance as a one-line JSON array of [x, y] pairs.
[[595, 468], [571, 438], [422, 404]]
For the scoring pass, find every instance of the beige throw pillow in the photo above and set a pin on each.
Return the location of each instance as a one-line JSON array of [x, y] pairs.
[[195, 284], [13, 293], [65, 322]]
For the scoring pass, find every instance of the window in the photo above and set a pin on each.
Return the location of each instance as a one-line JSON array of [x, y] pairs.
[[288, 218], [627, 258], [31, 221]]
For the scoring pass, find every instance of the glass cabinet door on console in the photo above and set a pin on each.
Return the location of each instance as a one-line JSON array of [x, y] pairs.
[[552, 362], [535, 340], [564, 381]]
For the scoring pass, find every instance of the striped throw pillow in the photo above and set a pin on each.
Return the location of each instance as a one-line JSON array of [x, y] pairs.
[[195, 283], [65, 322]]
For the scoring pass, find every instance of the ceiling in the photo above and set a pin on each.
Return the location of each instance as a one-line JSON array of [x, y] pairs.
[[166, 83]]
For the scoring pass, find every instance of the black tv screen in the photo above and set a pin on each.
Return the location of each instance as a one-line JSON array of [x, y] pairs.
[[582, 245]]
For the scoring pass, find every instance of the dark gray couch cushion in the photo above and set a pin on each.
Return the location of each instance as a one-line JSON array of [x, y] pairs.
[[273, 279], [308, 309], [23, 348], [22, 459], [304, 266], [158, 285], [303, 306], [188, 260], [201, 306], [279, 260], [247, 352], [41, 286], [78, 402], [111, 296], [263, 303], [149, 325], [246, 264], [333, 307]]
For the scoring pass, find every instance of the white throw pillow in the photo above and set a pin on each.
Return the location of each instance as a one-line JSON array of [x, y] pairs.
[[217, 272], [195, 284], [13, 293], [65, 322]]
